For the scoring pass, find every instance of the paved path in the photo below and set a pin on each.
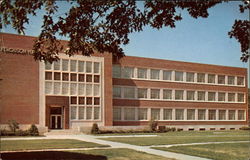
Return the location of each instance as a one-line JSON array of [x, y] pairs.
[[147, 149]]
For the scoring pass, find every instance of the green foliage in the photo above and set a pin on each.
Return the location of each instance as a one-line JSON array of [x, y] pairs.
[[33, 130], [13, 125], [153, 125], [95, 129], [244, 128]]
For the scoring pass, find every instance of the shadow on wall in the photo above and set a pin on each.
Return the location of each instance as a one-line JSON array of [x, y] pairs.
[[50, 155]]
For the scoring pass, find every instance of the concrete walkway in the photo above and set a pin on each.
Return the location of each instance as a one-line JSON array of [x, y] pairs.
[[147, 149]]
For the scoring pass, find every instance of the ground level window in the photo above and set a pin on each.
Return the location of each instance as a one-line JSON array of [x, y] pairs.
[[179, 114], [117, 114], [231, 114], [155, 114], [73, 112], [167, 114], [191, 114], [211, 114], [129, 113], [241, 115], [201, 114], [143, 113]]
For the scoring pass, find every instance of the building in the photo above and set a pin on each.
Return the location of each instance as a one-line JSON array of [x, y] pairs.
[[78, 91]]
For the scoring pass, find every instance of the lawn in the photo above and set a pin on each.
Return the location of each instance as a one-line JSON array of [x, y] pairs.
[[15, 145], [223, 151], [98, 154], [185, 137]]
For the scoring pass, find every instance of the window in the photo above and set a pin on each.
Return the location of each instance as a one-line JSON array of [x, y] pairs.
[[240, 81], [89, 113], [81, 89], [201, 95], [57, 86], [81, 112], [211, 96], [222, 114], [96, 67], [221, 79], [179, 114], [190, 77], [57, 76], [155, 74], [116, 70], [155, 94], [65, 88], [167, 94], [211, 78], [72, 76], [117, 92], [73, 89], [201, 114], [96, 101], [81, 77], [48, 66], [167, 114], [65, 65], [201, 77], [179, 94], [231, 97], [241, 115], [128, 72], [48, 75], [129, 92], [178, 76], [73, 112], [81, 100], [80, 66], [231, 114], [96, 113], [48, 87], [96, 78], [240, 97], [129, 113], [142, 73], [190, 95], [73, 65], [57, 65], [73, 100], [88, 78], [167, 75], [142, 92], [96, 89], [89, 67], [89, 101], [231, 80], [211, 114], [155, 114], [191, 114], [117, 113], [143, 114], [221, 97], [88, 89]]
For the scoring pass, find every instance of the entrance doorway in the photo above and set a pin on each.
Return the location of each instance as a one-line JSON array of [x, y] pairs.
[[56, 117]]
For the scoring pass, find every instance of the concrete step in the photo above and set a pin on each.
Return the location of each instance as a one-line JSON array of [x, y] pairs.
[[62, 132]]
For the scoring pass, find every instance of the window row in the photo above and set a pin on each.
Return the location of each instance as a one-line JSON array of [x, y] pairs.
[[64, 88], [170, 75], [170, 94], [74, 66], [131, 113], [84, 113], [85, 100], [73, 77]]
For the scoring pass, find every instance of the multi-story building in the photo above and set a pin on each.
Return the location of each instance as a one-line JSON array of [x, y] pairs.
[[78, 91]]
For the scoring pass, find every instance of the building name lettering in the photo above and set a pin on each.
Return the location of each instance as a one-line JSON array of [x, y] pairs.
[[16, 51]]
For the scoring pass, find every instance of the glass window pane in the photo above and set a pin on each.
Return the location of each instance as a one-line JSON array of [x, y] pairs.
[[222, 114], [88, 67], [221, 96], [179, 94], [72, 76], [155, 93], [231, 80], [57, 86], [65, 65], [190, 77], [73, 100], [48, 66], [211, 114], [231, 114], [96, 90], [142, 113], [73, 112], [88, 78], [240, 97], [65, 77], [179, 114], [117, 92], [231, 97], [72, 65], [57, 76], [221, 79], [142, 92], [96, 112], [48, 87], [129, 113], [89, 101], [201, 114], [211, 78], [241, 115], [96, 101], [81, 89], [73, 89], [129, 92], [128, 72], [117, 113], [211, 96], [167, 75], [155, 114], [96, 67], [178, 76], [201, 95], [201, 77], [190, 95], [65, 88], [81, 100], [96, 78], [116, 71], [167, 94], [48, 75], [167, 114], [81, 77], [89, 113], [191, 114], [57, 65], [88, 89], [81, 112], [154, 74], [80, 66], [240, 81], [142, 73]]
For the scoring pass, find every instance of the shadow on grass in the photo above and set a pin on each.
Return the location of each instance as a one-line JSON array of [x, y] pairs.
[[50, 155]]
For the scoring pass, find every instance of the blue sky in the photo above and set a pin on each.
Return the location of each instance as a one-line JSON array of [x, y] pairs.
[[202, 40]]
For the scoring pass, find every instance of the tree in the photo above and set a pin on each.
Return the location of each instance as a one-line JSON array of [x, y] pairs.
[[95, 25]]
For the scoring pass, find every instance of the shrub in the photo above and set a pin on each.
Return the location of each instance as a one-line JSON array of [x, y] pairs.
[[22, 133], [5, 132], [153, 125], [179, 129], [161, 129], [168, 129], [95, 129], [13, 125], [33, 130], [244, 128], [173, 129]]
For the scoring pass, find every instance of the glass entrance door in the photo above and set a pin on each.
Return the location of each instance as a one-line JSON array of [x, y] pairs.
[[56, 122]]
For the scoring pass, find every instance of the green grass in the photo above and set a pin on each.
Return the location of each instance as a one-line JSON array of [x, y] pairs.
[[14, 145], [223, 151], [184, 137], [124, 154]]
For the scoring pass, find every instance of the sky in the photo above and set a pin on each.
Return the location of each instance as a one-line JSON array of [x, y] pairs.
[[202, 40]]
